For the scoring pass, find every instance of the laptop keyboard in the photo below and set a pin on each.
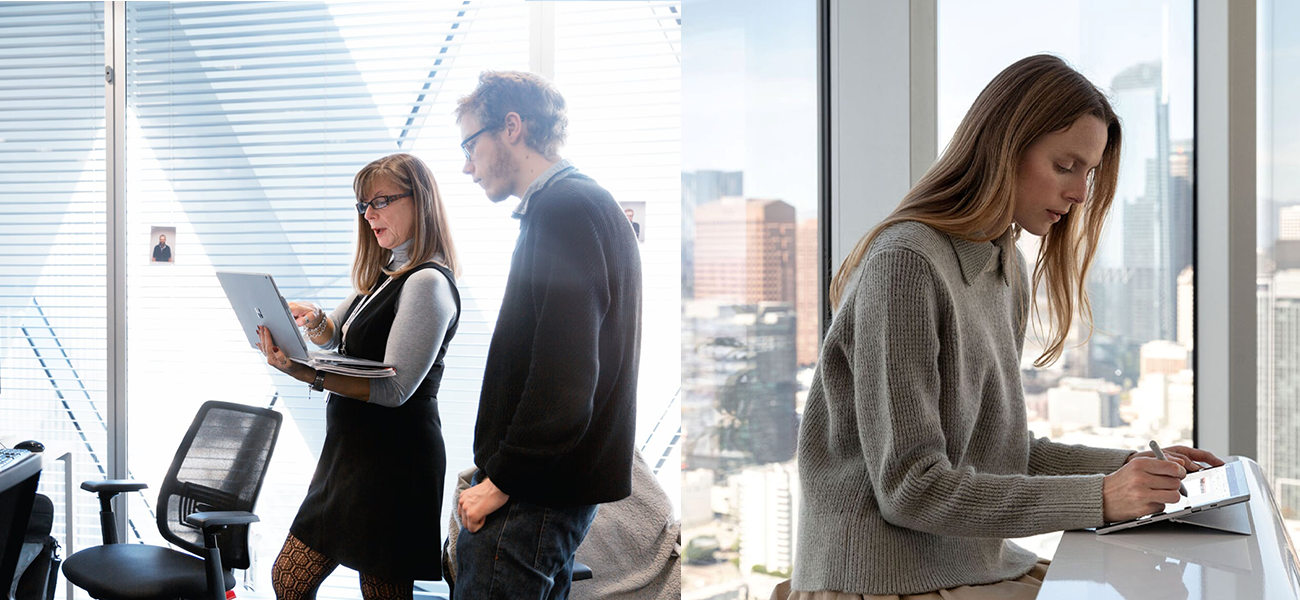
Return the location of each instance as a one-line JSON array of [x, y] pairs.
[[9, 455]]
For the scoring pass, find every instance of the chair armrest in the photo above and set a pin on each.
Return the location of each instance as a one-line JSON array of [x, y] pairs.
[[113, 485], [221, 518], [107, 489]]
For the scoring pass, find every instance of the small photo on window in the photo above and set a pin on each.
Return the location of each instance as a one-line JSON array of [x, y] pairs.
[[635, 212], [162, 244]]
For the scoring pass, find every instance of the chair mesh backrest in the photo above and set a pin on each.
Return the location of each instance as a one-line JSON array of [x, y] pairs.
[[220, 465]]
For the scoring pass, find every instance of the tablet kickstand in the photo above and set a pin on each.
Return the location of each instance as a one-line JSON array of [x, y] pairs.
[[1233, 519]]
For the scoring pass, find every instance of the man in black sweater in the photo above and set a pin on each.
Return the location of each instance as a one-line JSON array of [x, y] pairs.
[[557, 412]]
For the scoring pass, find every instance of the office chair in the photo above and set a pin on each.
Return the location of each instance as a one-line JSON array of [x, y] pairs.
[[18, 481], [203, 508]]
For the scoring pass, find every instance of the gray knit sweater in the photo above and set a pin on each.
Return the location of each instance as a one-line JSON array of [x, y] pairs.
[[914, 457]]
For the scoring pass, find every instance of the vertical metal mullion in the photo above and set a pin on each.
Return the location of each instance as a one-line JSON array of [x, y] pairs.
[[825, 210], [870, 111], [541, 39], [1225, 329], [115, 243], [923, 95]]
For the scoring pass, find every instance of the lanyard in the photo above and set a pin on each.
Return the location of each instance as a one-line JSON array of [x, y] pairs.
[[364, 301]]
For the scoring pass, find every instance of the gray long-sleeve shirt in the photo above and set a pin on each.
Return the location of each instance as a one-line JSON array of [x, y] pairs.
[[425, 308], [915, 460]]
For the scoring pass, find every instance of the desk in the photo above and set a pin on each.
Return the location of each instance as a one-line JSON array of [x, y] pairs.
[[1178, 561], [64, 451]]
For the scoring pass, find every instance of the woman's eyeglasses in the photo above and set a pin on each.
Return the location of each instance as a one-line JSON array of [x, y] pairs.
[[379, 202]]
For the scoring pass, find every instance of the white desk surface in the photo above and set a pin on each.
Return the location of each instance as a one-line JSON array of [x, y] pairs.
[[1179, 561]]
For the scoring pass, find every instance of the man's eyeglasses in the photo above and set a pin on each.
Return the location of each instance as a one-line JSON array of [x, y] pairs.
[[379, 202], [467, 146]]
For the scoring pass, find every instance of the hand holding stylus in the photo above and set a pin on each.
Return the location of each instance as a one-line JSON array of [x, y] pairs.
[[1143, 486], [1160, 454]]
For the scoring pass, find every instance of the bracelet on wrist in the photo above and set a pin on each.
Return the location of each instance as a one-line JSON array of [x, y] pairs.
[[318, 384], [318, 329]]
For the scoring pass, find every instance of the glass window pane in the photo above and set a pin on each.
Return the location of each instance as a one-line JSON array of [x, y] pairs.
[[750, 260], [1278, 246], [52, 246], [1132, 380]]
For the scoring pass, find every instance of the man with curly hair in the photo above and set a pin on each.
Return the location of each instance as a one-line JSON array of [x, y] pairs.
[[556, 416]]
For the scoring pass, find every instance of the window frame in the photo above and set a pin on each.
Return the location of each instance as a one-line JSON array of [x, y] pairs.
[[899, 110]]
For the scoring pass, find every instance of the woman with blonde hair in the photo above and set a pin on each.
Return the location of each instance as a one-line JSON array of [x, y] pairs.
[[374, 503], [915, 460]]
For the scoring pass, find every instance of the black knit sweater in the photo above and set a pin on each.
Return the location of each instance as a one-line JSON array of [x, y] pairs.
[[557, 414]]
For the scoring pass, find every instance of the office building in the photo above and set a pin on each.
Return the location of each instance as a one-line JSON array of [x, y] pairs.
[[702, 187], [745, 251], [1164, 357], [738, 384], [769, 517], [1181, 204], [1083, 403], [697, 497], [1186, 308], [807, 300], [1279, 384], [1286, 250], [1142, 207], [1288, 222], [1162, 400]]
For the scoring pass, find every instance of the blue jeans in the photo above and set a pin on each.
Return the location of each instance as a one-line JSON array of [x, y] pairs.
[[523, 551]]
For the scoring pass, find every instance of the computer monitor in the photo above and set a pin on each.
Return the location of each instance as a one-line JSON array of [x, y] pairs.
[[18, 482]]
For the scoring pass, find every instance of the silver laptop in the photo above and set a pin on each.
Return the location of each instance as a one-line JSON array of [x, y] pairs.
[[257, 301], [1209, 491]]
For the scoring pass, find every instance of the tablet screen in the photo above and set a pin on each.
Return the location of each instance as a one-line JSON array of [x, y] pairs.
[[1206, 486], [1213, 486]]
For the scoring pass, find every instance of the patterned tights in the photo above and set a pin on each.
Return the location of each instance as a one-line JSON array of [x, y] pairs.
[[299, 571]]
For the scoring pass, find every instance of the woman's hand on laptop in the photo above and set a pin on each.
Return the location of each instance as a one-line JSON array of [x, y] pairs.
[[306, 314], [1141, 487], [1189, 458], [276, 357]]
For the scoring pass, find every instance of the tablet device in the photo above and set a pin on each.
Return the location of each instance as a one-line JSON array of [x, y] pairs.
[[1207, 490], [257, 301]]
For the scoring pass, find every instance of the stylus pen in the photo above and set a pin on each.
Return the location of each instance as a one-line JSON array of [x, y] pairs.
[[1160, 454]]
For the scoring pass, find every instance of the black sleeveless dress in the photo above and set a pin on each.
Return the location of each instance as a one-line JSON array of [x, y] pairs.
[[375, 501]]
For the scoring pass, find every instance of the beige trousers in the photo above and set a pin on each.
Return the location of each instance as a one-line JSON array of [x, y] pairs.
[[1024, 588]]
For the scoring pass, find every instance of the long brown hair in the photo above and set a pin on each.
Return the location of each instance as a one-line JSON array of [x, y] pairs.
[[970, 191], [432, 234]]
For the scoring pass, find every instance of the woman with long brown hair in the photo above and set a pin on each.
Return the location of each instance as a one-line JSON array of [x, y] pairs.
[[374, 503], [915, 459]]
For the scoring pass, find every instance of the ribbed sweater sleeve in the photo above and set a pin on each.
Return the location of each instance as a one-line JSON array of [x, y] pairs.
[[1052, 458], [902, 406]]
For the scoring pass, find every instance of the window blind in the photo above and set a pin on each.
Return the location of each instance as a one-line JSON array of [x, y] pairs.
[[246, 124], [52, 242], [619, 67]]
